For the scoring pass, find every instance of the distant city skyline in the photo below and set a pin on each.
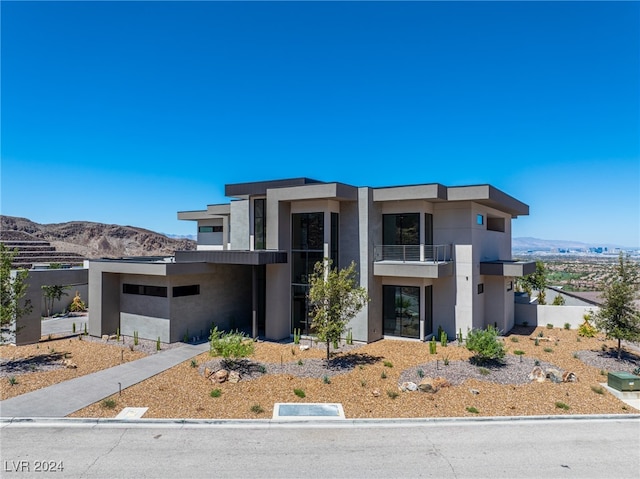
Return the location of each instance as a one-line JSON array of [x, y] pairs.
[[128, 112]]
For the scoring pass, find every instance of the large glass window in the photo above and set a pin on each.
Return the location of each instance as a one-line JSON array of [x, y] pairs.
[[401, 229], [259, 224], [401, 311], [335, 239], [307, 248]]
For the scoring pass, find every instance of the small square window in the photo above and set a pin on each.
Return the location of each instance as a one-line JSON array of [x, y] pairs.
[[479, 219], [481, 288]]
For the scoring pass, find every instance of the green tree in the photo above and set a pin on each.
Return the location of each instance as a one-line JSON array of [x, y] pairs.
[[53, 293], [334, 299], [13, 288], [536, 281], [618, 316]]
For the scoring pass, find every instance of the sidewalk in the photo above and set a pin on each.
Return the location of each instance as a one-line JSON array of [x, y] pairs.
[[67, 397]]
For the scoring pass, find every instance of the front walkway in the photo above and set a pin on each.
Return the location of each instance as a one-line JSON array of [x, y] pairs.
[[60, 400]]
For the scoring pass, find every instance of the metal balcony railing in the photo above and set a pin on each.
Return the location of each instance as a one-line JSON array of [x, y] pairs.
[[423, 253]]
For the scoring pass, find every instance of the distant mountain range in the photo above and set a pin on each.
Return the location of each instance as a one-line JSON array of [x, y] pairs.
[[536, 244], [93, 240]]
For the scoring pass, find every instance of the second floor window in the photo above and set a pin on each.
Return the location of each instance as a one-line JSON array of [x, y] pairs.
[[401, 229], [259, 224]]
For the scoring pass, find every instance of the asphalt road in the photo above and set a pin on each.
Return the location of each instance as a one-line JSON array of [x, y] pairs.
[[553, 448]]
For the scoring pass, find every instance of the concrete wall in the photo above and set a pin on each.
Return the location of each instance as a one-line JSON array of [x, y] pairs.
[[28, 327], [62, 305], [541, 315], [239, 225]]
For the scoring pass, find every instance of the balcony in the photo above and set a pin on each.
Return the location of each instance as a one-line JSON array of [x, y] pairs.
[[414, 261]]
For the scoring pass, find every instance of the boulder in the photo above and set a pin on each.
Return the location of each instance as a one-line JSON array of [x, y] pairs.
[[234, 377], [70, 364], [408, 386], [537, 374], [475, 392], [569, 377], [220, 376], [428, 385], [376, 392], [554, 375]]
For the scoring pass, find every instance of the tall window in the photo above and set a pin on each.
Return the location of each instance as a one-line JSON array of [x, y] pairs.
[[401, 311], [259, 224], [307, 248], [401, 229], [335, 239]]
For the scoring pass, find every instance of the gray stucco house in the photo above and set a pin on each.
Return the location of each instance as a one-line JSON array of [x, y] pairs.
[[429, 255]]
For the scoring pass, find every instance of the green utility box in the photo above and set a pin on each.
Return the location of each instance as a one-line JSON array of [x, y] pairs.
[[623, 381]]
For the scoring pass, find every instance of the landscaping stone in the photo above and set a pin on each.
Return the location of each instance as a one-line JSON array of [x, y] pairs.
[[408, 386]]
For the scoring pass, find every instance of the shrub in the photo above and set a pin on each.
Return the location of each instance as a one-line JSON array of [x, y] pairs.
[[363, 383], [549, 326], [326, 380], [158, 344], [300, 363], [561, 405], [473, 410], [420, 373], [299, 392], [392, 394], [485, 345], [587, 330], [388, 364], [597, 389], [194, 363], [484, 371], [383, 375], [520, 353], [13, 381], [108, 403], [558, 300], [548, 350], [77, 305], [514, 339], [296, 336], [215, 393], [443, 339], [567, 325], [233, 344], [257, 409]]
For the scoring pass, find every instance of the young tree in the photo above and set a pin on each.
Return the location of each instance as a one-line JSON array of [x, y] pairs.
[[334, 298], [536, 281], [13, 288], [619, 317], [51, 294]]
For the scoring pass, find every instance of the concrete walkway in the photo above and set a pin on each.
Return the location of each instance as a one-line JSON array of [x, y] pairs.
[[67, 397]]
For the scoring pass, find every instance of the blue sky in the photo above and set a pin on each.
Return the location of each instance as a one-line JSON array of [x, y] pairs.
[[126, 113]]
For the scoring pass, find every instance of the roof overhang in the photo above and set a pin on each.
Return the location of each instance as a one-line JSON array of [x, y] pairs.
[[507, 268], [258, 257]]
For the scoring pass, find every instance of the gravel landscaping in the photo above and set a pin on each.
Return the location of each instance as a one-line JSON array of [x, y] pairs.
[[365, 379]]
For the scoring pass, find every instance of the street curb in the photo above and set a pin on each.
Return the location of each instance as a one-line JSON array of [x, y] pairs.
[[266, 423]]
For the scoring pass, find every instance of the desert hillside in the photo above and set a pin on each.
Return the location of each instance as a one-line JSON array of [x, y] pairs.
[[93, 240]]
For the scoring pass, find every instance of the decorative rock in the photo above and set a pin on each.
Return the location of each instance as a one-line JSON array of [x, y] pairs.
[[304, 347], [428, 385], [474, 391], [569, 377], [234, 377], [408, 386], [70, 364], [220, 376], [376, 392], [441, 382], [113, 337], [105, 337], [554, 375], [537, 374]]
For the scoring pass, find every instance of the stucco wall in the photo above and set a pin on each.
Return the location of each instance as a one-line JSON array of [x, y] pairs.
[[541, 315]]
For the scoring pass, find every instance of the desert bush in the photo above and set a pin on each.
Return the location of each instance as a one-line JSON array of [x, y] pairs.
[[299, 392], [231, 345], [485, 345]]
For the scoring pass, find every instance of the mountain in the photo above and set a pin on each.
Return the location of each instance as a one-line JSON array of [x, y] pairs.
[[93, 240]]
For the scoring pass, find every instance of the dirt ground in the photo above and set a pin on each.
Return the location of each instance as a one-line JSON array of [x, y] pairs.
[[366, 383]]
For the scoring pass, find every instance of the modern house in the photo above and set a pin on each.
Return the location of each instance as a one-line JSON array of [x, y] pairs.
[[429, 255]]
